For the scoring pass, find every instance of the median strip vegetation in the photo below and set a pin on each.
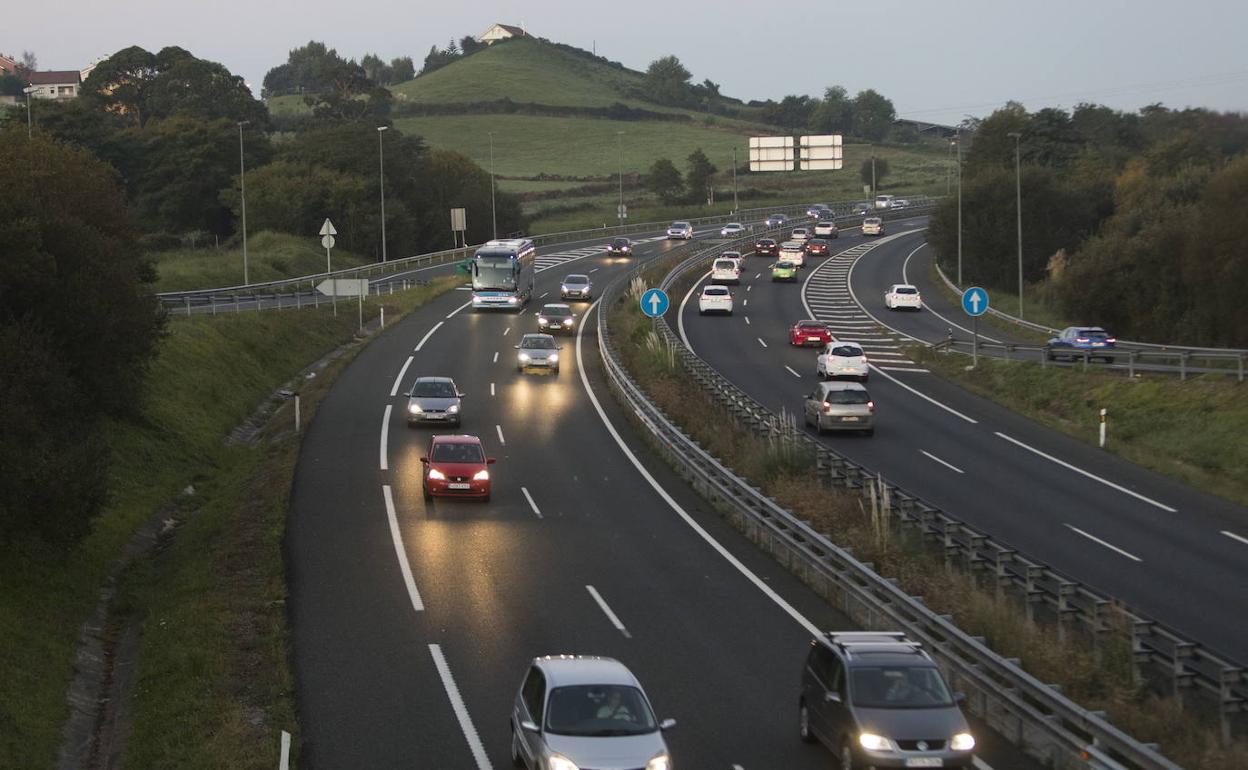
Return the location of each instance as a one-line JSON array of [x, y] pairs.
[[1097, 676]]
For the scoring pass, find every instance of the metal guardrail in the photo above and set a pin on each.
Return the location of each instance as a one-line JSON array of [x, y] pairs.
[[1035, 715], [1184, 352], [1182, 360]]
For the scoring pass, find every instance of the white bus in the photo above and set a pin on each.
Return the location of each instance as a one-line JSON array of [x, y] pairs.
[[502, 274]]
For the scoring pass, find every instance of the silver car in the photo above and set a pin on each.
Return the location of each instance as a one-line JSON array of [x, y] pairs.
[[537, 351], [585, 711], [576, 286], [434, 399], [840, 406]]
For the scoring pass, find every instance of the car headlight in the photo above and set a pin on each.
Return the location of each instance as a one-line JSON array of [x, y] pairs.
[[962, 742], [541, 320], [511, 300], [661, 762], [567, 322], [413, 408], [482, 475], [562, 763], [453, 409], [437, 475], [554, 358], [524, 357], [873, 742]]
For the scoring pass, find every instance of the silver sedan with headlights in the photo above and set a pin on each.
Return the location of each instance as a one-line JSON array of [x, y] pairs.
[[576, 286], [434, 399], [537, 351]]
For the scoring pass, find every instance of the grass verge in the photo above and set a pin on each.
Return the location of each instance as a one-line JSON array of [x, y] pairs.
[[270, 257], [1190, 430], [214, 675], [1098, 679]]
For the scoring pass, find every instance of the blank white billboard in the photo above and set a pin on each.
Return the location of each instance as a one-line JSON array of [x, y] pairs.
[[771, 153]]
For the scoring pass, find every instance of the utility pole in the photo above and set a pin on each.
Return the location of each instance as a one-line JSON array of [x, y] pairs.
[[873, 179], [381, 159], [1018, 205], [959, 141], [493, 212], [619, 142], [735, 206], [242, 187]]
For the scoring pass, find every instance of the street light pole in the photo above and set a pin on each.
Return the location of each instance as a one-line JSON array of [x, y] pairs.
[[493, 211], [242, 187], [1018, 205], [735, 205], [619, 142], [949, 170], [381, 159], [29, 91], [873, 178], [959, 143]]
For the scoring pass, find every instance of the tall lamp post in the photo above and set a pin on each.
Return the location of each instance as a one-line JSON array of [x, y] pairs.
[[619, 144], [958, 140], [242, 188], [1018, 205], [493, 211], [735, 205], [381, 159], [29, 91]]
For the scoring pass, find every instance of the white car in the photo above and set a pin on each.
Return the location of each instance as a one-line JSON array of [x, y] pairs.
[[872, 226], [903, 295], [732, 229], [726, 270], [826, 229], [842, 359], [800, 234], [680, 230], [901, 203], [715, 299], [792, 252]]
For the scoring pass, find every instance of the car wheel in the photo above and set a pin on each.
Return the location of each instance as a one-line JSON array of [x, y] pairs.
[[517, 756], [803, 724], [847, 757]]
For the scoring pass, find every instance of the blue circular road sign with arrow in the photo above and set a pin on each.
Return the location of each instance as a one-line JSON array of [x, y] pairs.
[[654, 302], [975, 301]]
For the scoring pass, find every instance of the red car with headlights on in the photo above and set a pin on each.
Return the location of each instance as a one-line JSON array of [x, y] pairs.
[[816, 247], [766, 247], [456, 467], [805, 333]]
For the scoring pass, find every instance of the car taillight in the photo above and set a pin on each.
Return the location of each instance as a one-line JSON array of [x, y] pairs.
[[827, 409], [1081, 339], [1111, 339], [871, 406]]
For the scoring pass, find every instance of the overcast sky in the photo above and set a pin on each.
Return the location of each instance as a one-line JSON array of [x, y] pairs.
[[937, 61]]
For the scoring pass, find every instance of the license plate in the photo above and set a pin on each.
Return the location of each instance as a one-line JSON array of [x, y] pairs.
[[429, 416], [855, 419], [925, 762], [458, 485], [812, 339]]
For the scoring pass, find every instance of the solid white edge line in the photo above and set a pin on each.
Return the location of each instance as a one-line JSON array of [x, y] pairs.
[[400, 551], [1099, 541], [680, 312], [767, 590], [428, 334], [793, 372], [1234, 536], [923, 396], [760, 341], [1082, 472], [283, 763], [532, 504], [501, 440], [385, 437], [461, 307], [398, 381], [602, 603], [949, 321], [461, 711], [942, 462]]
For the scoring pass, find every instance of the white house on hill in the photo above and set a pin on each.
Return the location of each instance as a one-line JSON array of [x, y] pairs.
[[500, 32]]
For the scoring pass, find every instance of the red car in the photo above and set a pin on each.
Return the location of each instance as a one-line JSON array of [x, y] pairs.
[[766, 247], [456, 467], [816, 247], [805, 333]]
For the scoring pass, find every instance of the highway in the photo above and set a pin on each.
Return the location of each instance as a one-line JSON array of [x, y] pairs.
[[1170, 551], [413, 622]]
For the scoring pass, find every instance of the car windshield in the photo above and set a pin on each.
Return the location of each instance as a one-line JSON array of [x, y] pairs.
[[573, 279], [810, 326], [556, 311], [451, 452], [620, 242], [680, 225], [892, 687], [734, 225], [598, 710], [434, 389], [846, 397], [907, 290], [846, 351], [538, 343]]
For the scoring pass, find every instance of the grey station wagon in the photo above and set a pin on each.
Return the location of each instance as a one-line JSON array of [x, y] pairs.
[[840, 406]]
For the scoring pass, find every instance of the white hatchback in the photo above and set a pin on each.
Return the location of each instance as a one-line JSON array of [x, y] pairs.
[[842, 359], [792, 252], [726, 270], [715, 299], [903, 295], [872, 226]]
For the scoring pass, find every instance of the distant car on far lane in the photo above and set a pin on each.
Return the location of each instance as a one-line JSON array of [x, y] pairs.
[[732, 229], [805, 333], [715, 299], [901, 296], [775, 220], [620, 247], [680, 230], [1076, 341], [766, 247]]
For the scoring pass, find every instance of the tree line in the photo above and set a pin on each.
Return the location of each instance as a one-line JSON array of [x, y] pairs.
[[1134, 221]]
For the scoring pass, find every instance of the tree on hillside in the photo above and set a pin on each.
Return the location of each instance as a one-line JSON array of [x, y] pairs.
[[880, 170], [664, 181], [436, 59], [667, 81], [311, 69], [468, 45], [698, 178], [873, 115], [28, 64], [402, 69], [792, 112], [185, 162], [375, 69], [834, 114], [993, 147], [120, 83], [78, 326]]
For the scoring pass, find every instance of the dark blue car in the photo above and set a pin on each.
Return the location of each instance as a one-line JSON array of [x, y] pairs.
[[1077, 341]]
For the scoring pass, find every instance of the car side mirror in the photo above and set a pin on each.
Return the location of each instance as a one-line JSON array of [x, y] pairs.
[[529, 726], [832, 696], [489, 461], [959, 697], [461, 395], [425, 460], [517, 347], [667, 724]]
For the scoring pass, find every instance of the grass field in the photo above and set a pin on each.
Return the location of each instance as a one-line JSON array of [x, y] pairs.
[[270, 257]]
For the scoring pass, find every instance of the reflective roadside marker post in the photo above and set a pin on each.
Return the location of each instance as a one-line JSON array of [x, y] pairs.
[[1103, 412], [975, 304]]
